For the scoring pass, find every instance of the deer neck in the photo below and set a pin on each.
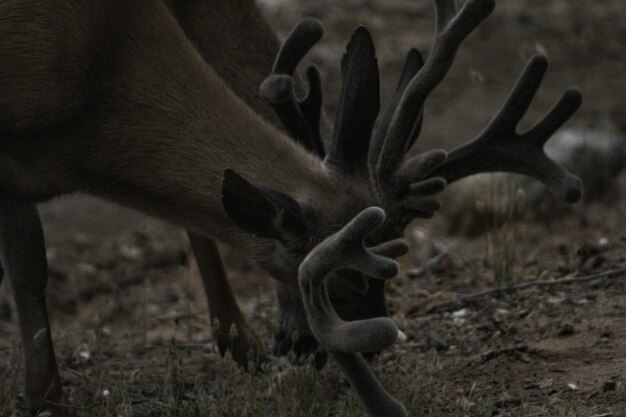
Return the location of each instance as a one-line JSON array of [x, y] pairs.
[[173, 128], [155, 126]]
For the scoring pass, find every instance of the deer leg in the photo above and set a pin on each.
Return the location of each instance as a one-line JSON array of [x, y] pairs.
[[23, 256], [232, 331]]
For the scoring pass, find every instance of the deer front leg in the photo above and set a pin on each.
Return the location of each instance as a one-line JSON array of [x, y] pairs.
[[233, 333], [23, 256]]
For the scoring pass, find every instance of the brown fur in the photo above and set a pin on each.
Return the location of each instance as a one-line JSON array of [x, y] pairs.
[[117, 103], [110, 97], [215, 27]]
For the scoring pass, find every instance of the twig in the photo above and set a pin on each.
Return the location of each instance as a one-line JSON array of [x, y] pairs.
[[541, 283], [427, 266]]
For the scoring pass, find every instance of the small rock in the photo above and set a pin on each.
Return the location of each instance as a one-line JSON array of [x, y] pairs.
[[83, 352], [130, 252], [462, 313]]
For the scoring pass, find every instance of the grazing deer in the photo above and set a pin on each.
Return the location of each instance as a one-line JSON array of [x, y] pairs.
[[205, 20], [117, 102]]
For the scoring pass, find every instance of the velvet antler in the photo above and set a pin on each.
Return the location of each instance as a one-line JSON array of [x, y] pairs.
[[501, 148], [452, 29], [345, 340], [301, 118], [359, 104], [405, 187]]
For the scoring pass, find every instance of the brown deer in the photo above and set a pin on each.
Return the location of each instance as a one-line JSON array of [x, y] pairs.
[[117, 102], [206, 20]]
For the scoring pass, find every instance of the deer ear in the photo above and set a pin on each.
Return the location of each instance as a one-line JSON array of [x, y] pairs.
[[262, 211]]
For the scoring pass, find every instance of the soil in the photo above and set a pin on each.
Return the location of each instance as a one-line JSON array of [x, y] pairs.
[[124, 289]]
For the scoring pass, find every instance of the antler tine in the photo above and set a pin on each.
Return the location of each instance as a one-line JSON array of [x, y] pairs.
[[345, 340], [452, 29], [521, 97], [359, 104], [311, 107], [413, 63], [501, 148], [300, 118]]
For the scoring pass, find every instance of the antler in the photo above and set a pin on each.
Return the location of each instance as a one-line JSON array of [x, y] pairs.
[[405, 188], [452, 29], [359, 104], [345, 340], [412, 64], [301, 118], [501, 148]]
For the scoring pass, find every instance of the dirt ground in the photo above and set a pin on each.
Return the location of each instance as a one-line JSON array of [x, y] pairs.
[[129, 319]]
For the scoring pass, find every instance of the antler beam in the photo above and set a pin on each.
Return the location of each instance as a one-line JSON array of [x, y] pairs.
[[452, 29], [501, 148]]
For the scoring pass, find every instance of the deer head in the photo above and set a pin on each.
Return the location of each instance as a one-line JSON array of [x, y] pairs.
[[343, 270], [379, 165], [295, 225]]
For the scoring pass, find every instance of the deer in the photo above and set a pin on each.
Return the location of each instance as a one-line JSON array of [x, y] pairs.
[[203, 21], [119, 102]]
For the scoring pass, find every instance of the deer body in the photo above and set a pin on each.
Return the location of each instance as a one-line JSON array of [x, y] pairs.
[[135, 116], [110, 98], [113, 98]]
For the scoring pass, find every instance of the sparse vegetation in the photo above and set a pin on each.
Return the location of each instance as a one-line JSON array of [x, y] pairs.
[[133, 336]]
